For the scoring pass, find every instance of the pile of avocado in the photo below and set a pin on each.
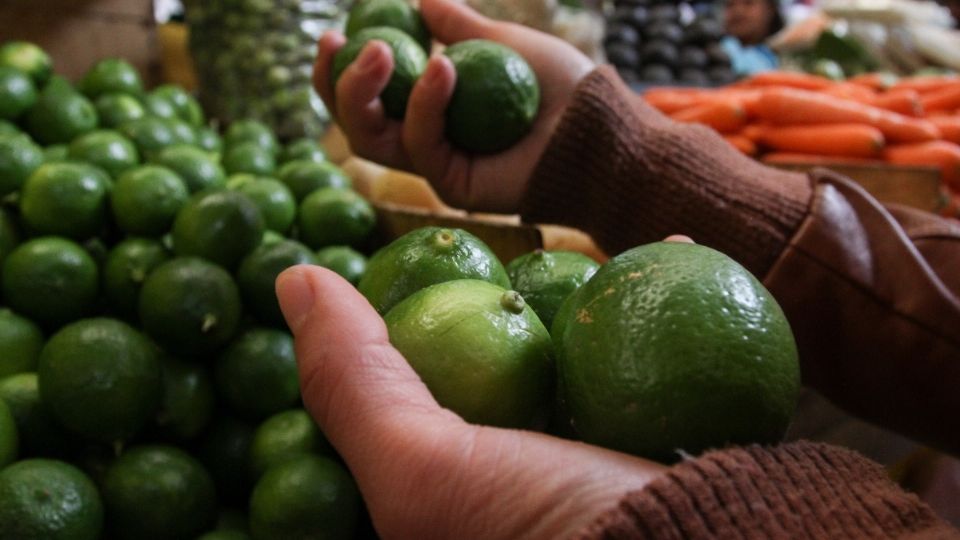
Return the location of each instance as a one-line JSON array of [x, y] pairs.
[[254, 59], [650, 42]]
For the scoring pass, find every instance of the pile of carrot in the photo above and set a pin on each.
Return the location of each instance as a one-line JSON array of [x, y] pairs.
[[800, 118]]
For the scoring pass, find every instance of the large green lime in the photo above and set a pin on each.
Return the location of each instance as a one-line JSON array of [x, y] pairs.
[[305, 149], [256, 375], [188, 400], [115, 110], [335, 217], [496, 98], [20, 343], [251, 131], [40, 434], [190, 306], [59, 116], [101, 379], [111, 75], [186, 106], [44, 499], [209, 140], [303, 177], [249, 157], [393, 13], [28, 58], [674, 346], [481, 351], [221, 226], [424, 257], [196, 167], [344, 260], [19, 158], [546, 278], [158, 492], [126, 268], [67, 199], [106, 149], [409, 61], [51, 280], [17, 93], [146, 199], [304, 497], [275, 201], [285, 435], [149, 133], [258, 273]]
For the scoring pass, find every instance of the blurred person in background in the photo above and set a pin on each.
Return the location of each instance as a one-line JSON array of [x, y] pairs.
[[748, 24]]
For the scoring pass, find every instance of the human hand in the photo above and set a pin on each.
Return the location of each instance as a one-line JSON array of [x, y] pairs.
[[492, 183], [422, 470]]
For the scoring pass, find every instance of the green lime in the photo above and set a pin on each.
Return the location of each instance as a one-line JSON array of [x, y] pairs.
[[276, 202], [184, 105], [496, 98], [393, 13], [285, 435], [257, 374], [9, 438], [45, 499], [28, 58], [196, 167], [158, 492], [19, 158], [111, 75], [305, 497], [344, 260], [58, 84], [6, 128], [546, 278], [221, 226], [20, 343], [101, 379], [55, 153], [158, 106], [409, 61], [106, 149], [40, 434], [710, 355], [146, 199], [126, 268], [188, 400], [17, 93], [249, 157], [236, 181], [149, 133], [335, 216], [304, 177], [51, 280], [424, 257], [258, 273], [60, 116], [67, 199], [481, 351], [225, 450], [305, 149], [251, 131], [9, 235], [209, 140], [115, 109], [183, 133], [190, 306]]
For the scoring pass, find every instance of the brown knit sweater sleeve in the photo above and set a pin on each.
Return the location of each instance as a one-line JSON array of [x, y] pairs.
[[798, 490]]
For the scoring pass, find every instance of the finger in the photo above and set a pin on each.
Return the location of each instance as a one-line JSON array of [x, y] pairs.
[[450, 21], [682, 238], [423, 133], [328, 46], [353, 382], [359, 109]]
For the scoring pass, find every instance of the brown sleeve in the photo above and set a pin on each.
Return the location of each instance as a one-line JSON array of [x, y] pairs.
[[875, 326], [797, 490]]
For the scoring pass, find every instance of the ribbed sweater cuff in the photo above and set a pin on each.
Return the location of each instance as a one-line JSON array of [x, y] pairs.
[[796, 490], [627, 175]]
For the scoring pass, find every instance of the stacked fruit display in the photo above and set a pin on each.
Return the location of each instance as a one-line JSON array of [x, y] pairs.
[[254, 59], [650, 43]]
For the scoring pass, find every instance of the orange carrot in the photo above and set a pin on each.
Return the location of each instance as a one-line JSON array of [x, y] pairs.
[[809, 159], [788, 106], [723, 116], [944, 99], [854, 92], [942, 154], [753, 131], [741, 143], [788, 79], [905, 101], [853, 140], [898, 128], [949, 127], [926, 83], [875, 81], [671, 100]]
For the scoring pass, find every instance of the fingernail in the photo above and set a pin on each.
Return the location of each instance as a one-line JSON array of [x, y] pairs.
[[295, 295], [433, 73], [368, 59]]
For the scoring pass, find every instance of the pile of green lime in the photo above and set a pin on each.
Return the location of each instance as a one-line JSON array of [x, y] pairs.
[[147, 378]]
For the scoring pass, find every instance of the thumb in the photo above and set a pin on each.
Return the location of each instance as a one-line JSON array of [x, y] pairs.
[[353, 382], [451, 21]]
